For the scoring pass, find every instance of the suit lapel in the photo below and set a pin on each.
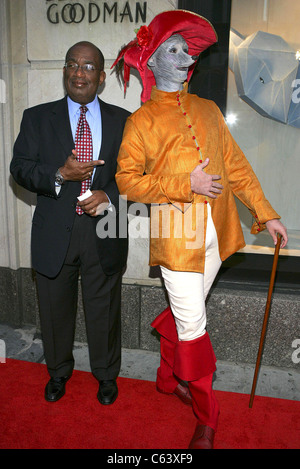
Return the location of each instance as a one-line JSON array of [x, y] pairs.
[[107, 130], [61, 125], [107, 127]]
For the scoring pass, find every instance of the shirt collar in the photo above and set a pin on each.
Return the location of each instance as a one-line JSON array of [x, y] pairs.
[[74, 107]]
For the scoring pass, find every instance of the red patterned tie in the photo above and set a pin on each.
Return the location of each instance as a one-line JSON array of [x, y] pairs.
[[84, 148]]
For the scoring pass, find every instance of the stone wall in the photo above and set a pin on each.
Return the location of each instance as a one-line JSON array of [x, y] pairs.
[[234, 318], [32, 49], [33, 42]]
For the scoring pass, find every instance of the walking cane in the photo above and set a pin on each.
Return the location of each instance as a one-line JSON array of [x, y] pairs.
[[266, 317]]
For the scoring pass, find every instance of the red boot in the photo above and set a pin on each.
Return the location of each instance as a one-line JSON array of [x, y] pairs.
[[206, 409], [166, 381], [203, 438], [195, 362]]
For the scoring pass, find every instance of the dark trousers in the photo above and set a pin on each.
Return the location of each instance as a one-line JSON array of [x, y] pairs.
[[101, 296]]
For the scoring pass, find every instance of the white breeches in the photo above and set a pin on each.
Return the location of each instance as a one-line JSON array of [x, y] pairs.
[[187, 291]]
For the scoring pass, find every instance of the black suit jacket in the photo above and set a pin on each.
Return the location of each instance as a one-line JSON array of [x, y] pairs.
[[43, 144]]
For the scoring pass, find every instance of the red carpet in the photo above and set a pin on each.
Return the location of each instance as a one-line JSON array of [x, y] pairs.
[[141, 418]]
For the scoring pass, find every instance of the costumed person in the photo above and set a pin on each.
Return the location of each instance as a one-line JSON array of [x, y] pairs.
[[177, 154]]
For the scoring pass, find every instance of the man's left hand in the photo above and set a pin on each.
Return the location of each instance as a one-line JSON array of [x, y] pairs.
[[276, 227], [95, 204]]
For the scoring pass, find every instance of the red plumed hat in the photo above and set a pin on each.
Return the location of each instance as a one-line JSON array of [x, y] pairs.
[[197, 31]]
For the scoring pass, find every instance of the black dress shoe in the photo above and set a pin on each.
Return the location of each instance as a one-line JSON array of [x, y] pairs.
[[108, 391], [55, 388]]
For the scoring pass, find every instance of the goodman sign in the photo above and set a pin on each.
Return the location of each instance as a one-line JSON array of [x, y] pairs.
[[62, 11]]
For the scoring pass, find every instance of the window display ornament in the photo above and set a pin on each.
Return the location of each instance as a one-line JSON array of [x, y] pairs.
[[267, 75]]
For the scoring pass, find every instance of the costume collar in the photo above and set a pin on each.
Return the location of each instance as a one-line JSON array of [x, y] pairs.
[[159, 95]]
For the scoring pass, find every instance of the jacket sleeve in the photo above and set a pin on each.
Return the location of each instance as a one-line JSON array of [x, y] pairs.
[[243, 181], [138, 186], [26, 167]]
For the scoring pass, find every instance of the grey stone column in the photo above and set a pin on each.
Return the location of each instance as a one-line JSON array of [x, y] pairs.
[[9, 251]]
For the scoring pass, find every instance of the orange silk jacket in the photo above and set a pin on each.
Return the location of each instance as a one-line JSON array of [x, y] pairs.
[[163, 142]]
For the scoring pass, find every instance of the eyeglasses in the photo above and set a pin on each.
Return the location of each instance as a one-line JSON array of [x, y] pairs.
[[86, 68]]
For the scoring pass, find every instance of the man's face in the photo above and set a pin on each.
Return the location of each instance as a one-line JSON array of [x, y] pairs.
[[82, 85], [171, 61]]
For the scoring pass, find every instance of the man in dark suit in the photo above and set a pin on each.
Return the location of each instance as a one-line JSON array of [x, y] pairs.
[[62, 145]]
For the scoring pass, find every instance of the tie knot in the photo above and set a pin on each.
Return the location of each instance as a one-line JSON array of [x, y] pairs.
[[83, 109]]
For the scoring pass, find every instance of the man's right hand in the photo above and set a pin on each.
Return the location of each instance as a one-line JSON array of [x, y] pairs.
[[205, 184], [74, 170]]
